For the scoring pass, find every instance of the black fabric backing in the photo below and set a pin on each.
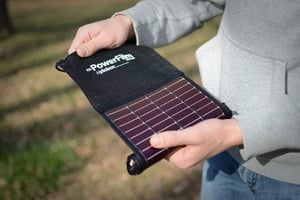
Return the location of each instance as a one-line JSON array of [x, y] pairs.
[[146, 72]]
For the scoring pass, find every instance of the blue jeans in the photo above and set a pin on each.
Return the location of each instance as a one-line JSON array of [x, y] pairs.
[[223, 178]]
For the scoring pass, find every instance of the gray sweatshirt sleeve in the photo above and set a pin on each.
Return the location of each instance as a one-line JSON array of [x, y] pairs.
[[160, 22], [276, 127]]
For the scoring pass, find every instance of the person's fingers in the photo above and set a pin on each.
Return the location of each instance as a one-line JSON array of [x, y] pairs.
[[77, 41], [100, 42], [82, 51], [74, 46], [170, 139], [181, 157], [87, 49], [90, 43], [84, 35]]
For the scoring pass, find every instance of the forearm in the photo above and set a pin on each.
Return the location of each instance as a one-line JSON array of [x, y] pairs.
[[126, 23]]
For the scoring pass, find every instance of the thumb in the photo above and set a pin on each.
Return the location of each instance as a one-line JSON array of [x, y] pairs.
[[90, 47], [82, 51], [168, 139]]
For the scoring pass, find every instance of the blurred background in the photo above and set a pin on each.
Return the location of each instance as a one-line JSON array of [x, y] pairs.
[[53, 145]]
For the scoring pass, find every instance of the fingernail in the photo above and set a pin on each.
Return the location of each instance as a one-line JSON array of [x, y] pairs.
[[156, 141], [82, 51]]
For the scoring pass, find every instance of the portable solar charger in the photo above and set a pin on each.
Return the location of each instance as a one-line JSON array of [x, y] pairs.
[[159, 98]]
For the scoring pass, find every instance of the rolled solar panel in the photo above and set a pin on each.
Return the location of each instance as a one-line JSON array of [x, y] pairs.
[[139, 93]]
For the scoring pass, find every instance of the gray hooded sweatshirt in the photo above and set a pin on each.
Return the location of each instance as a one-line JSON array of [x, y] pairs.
[[252, 64]]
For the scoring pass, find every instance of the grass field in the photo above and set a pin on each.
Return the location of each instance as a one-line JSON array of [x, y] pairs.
[[53, 145]]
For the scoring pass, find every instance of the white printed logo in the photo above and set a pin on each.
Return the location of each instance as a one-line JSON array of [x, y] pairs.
[[111, 64]]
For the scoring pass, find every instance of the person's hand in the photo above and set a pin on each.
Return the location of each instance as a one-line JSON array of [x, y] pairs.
[[108, 33], [199, 142]]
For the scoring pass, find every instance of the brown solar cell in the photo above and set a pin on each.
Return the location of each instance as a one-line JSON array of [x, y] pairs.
[[177, 105]]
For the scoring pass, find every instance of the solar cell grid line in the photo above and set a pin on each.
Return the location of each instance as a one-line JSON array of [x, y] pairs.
[[162, 125], [135, 131], [178, 85], [128, 122], [186, 116], [118, 113], [139, 120], [171, 121], [215, 109], [139, 104], [196, 100], [130, 119], [140, 136], [137, 137], [193, 97], [150, 115], [132, 126], [189, 118], [144, 143], [158, 122], [204, 108], [146, 135], [144, 110]]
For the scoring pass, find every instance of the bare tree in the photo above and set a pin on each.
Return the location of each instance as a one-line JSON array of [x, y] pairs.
[[6, 27]]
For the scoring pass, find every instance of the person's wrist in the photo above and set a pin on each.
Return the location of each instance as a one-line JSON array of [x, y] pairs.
[[233, 133], [127, 23]]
